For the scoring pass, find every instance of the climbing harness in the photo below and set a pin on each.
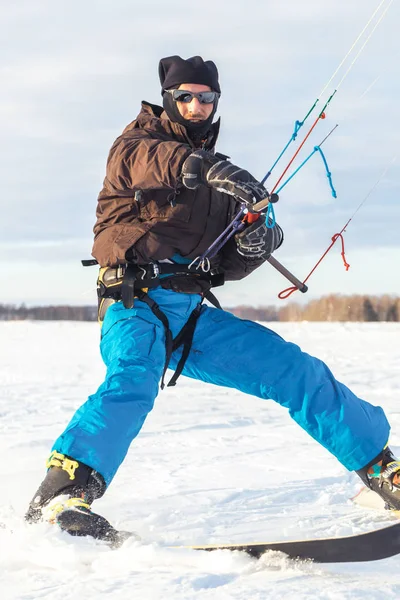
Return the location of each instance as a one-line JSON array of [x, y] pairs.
[[126, 282]]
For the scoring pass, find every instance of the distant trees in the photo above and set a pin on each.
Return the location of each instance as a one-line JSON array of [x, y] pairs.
[[9, 312], [328, 308], [266, 313]]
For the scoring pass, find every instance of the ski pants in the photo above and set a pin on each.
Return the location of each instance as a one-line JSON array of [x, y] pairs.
[[226, 351]]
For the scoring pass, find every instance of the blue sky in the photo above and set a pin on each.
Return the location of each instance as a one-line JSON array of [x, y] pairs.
[[73, 75]]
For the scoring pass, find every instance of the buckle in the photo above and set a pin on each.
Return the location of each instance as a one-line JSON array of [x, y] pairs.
[[150, 271], [156, 270]]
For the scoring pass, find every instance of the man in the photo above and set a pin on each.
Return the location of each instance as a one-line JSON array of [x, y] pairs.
[[167, 198]]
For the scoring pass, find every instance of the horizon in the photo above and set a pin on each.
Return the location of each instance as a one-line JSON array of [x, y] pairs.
[[277, 307]]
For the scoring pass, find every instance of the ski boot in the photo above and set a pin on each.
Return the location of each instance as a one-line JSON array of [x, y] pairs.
[[382, 475], [65, 497]]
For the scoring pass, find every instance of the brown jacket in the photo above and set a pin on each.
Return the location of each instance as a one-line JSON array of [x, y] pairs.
[[164, 217]]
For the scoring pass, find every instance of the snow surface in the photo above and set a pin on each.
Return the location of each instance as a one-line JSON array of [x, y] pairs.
[[211, 465]]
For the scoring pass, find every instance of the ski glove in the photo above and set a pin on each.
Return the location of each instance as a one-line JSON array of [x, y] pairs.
[[259, 241], [205, 168]]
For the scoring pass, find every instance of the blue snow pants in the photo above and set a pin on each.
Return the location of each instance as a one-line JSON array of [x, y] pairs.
[[226, 351]]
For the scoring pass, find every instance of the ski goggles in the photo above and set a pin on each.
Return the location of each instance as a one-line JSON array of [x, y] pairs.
[[186, 97]]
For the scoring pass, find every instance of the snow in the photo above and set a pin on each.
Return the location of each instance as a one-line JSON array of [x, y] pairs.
[[211, 465]]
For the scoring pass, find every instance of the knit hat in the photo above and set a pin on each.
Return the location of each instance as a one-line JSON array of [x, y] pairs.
[[174, 70]]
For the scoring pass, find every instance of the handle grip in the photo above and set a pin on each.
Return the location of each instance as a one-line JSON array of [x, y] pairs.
[[254, 210]]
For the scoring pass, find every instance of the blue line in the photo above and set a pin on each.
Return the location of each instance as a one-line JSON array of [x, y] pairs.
[[270, 220], [297, 126], [328, 173], [296, 171]]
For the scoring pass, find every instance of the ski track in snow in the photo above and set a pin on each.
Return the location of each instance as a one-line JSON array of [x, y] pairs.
[[211, 465]]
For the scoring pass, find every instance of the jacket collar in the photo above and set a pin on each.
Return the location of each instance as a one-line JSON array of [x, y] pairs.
[[154, 116]]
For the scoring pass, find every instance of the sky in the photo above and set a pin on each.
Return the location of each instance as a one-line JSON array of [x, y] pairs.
[[73, 75]]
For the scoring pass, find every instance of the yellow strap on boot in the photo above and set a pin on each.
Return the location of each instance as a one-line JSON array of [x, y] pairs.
[[66, 464], [52, 510]]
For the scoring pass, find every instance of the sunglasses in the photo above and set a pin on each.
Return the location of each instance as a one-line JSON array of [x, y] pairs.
[[186, 97]]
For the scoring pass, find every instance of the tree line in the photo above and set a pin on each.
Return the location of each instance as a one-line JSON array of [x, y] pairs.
[[10, 312], [328, 308]]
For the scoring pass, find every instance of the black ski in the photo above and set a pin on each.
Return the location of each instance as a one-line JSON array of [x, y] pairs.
[[373, 545]]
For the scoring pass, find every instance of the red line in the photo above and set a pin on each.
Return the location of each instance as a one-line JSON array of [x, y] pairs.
[[321, 116]]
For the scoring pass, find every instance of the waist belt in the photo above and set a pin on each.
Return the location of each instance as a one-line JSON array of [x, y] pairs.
[[122, 282], [127, 282]]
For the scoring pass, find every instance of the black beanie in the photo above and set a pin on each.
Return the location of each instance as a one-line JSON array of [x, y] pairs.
[[174, 70]]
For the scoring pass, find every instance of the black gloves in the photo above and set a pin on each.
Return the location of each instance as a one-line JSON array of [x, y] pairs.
[[256, 240], [259, 241], [202, 167]]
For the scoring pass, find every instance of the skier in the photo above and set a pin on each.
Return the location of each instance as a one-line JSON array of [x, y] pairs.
[[167, 196]]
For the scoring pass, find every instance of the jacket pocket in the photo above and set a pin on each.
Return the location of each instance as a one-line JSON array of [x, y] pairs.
[[167, 204]]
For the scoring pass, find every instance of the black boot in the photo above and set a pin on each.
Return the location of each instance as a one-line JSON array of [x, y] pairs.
[[65, 497], [382, 475]]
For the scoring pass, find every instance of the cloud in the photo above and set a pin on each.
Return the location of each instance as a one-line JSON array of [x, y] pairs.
[[73, 75]]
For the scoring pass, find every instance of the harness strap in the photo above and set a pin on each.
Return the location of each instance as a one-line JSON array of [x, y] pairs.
[[129, 281], [128, 287], [185, 336], [212, 299], [156, 310]]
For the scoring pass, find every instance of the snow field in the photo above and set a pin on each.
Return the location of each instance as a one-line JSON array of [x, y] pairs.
[[210, 465]]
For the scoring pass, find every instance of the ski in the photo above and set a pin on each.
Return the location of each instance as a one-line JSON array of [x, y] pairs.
[[373, 545], [362, 547]]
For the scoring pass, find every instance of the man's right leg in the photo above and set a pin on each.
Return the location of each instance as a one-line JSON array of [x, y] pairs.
[[101, 431], [88, 453]]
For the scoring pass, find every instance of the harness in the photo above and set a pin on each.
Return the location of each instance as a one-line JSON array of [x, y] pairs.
[[129, 281]]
